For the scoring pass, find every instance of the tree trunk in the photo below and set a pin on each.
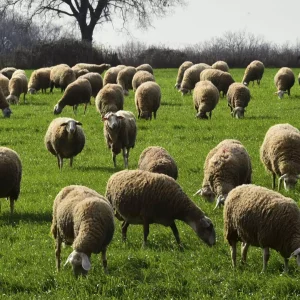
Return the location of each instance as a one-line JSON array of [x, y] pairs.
[[87, 34]]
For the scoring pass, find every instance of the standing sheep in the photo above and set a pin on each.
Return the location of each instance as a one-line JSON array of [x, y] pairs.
[[61, 76], [77, 92], [8, 72], [183, 67], [141, 77], [10, 175], [142, 197], [120, 133], [64, 139], [147, 99], [262, 218], [284, 80], [17, 85], [254, 71], [238, 97], [280, 154], [84, 219], [96, 82], [92, 67], [205, 97], [4, 105], [158, 160], [124, 79], [4, 83], [109, 99], [145, 67], [221, 65], [111, 74], [39, 80]]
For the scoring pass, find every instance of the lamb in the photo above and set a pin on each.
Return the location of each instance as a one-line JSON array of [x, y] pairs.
[[158, 160], [147, 99], [64, 139], [226, 166], [84, 219], [4, 83], [205, 97], [77, 92], [10, 175], [280, 154], [125, 77], [141, 77], [96, 82], [17, 85], [142, 197], [222, 80], [92, 67], [39, 80], [183, 67], [120, 133], [109, 99], [221, 65], [61, 76], [238, 97], [4, 105], [145, 67], [111, 74], [284, 80], [8, 72], [254, 71], [262, 218], [191, 77]]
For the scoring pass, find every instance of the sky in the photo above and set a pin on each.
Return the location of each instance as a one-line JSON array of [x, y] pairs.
[[275, 21]]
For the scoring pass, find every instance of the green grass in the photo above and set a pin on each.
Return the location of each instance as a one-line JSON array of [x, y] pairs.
[[161, 271]]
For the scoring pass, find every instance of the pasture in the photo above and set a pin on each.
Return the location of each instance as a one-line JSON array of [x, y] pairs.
[[161, 271]]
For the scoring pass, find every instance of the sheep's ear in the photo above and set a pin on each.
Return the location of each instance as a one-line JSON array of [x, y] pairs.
[[104, 118], [120, 117], [295, 253], [78, 123], [199, 192], [86, 265], [64, 124], [69, 259], [204, 222]]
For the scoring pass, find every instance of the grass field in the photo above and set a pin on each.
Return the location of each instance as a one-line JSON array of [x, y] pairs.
[[161, 271]]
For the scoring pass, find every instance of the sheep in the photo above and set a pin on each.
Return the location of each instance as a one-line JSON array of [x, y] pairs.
[[4, 83], [238, 97], [4, 105], [80, 72], [205, 97], [92, 67], [64, 139], [141, 77], [183, 67], [111, 74], [142, 197], [77, 92], [8, 72], [120, 133], [221, 65], [254, 71], [96, 82], [39, 80], [17, 85], [145, 67], [125, 79], [61, 76], [226, 166], [158, 160], [284, 80], [222, 80], [262, 218], [84, 219], [191, 77], [109, 99], [280, 154], [147, 99], [10, 175]]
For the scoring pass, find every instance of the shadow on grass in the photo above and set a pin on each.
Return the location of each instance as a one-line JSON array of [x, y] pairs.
[[266, 117], [102, 169], [171, 104], [27, 217]]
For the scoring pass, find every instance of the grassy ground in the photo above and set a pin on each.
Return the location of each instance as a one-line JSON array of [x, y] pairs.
[[161, 271]]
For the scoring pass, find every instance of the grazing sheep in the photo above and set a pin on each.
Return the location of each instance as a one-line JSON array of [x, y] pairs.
[[77, 92], [183, 67], [10, 175], [254, 71], [205, 97], [141, 77], [226, 166], [84, 219], [61, 76], [92, 67], [124, 79], [284, 80], [64, 139], [222, 80], [8, 72], [111, 74], [17, 85], [280, 154], [262, 218], [4, 105], [96, 82], [147, 99], [145, 67], [39, 80], [120, 133], [221, 65], [142, 197], [4, 83], [191, 77], [109, 99], [158, 160], [80, 72], [238, 97]]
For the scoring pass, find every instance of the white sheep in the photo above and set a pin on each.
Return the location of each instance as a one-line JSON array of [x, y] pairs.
[[183, 67], [17, 85], [95, 80], [64, 139], [83, 219], [284, 80], [145, 67], [39, 80], [221, 65], [8, 72], [4, 83], [111, 74], [91, 67], [141, 77], [125, 77], [4, 105], [61, 76], [254, 71]]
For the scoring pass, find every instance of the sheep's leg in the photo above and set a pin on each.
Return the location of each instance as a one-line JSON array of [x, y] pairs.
[[245, 247], [51, 86], [58, 250], [71, 161], [104, 261], [266, 256], [154, 114], [274, 179], [114, 159], [124, 230], [233, 253], [85, 107], [139, 113], [146, 232], [176, 234], [75, 109], [60, 161], [210, 114], [12, 205], [24, 97], [286, 265], [125, 157]]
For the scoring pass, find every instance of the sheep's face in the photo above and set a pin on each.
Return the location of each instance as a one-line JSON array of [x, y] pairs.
[[183, 91], [71, 126], [57, 109], [280, 94], [289, 183], [32, 91], [205, 231], [145, 115], [202, 115], [238, 112], [177, 86], [80, 263], [6, 112], [112, 120], [207, 194]]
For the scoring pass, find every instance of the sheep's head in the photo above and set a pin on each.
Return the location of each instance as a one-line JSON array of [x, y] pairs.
[[145, 115], [202, 115], [206, 193], [220, 201], [297, 254], [57, 109], [289, 181], [6, 112], [12, 99], [183, 91], [32, 91], [71, 126], [238, 112], [80, 263], [112, 120], [280, 94], [205, 230], [177, 86]]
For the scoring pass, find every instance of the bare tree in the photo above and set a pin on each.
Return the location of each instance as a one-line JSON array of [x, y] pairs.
[[89, 13]]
